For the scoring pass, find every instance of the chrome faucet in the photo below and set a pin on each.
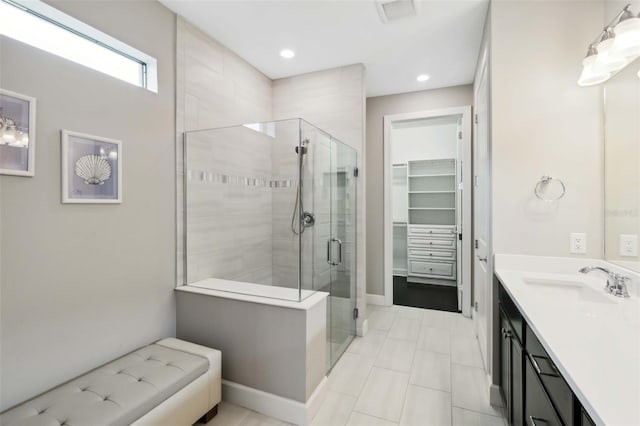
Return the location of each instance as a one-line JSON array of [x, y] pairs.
[[616, 283]]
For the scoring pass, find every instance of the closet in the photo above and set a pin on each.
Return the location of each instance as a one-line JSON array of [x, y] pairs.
[[425, 216]]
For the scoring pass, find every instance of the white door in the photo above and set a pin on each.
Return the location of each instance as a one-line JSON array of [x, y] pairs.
[[482, 216], [459, 210]]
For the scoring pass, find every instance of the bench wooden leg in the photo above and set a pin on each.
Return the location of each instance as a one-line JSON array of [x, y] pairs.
[[210, 415]]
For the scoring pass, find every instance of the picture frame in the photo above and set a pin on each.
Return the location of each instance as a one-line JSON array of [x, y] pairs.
[[17, 134], [91, 169]]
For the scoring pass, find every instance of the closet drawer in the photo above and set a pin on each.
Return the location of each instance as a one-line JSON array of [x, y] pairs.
[[426, 231], [441, 269], [431, 254], [432, 243]]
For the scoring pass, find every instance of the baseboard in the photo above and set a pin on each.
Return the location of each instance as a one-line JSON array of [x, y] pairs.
[[271, 405], [362, 328], [375, 299], [495, 398]]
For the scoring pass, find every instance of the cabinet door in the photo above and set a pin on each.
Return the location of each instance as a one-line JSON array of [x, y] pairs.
[[538, 410], [585, 419], [517, 397], [505, 364]]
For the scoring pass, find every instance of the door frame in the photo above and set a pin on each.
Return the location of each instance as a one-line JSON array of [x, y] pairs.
[[465, 226], [489, 344]]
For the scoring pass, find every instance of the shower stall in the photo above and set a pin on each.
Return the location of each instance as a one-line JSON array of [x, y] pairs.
[[270, 212]]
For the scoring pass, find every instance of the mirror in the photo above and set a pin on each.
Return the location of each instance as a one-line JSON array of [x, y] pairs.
[[622, 167]]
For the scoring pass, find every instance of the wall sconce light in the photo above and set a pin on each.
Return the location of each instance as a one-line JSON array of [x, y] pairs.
[[615, 47]]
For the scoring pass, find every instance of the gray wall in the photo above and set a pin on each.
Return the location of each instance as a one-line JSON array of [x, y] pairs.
[[377, 108], [543, 123], [270, 348], [82, 284]]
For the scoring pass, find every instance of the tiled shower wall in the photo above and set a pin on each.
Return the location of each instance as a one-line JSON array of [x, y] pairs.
[[334, 100], [285, 243], [217, 88], [229, 207], [214, 88]]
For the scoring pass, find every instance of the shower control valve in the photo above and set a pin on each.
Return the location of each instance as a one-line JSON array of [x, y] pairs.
[[308, 219]]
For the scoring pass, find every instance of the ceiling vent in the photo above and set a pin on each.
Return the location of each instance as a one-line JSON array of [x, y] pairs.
[[393, 10]]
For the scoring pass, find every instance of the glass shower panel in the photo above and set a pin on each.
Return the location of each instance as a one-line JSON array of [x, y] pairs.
[[342, 248], [240, 185], [270, 211], [316, 207]]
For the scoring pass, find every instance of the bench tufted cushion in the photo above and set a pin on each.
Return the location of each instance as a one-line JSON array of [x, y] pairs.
[[117, 393]]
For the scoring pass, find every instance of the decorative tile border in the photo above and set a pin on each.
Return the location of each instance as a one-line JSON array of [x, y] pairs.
[[211, 177]]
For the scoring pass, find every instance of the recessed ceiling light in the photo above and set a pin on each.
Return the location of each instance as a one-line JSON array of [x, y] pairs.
[[422, 78], [287, 53]]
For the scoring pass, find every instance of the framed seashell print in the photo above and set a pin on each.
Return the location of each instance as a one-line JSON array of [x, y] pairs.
[[91, 169]]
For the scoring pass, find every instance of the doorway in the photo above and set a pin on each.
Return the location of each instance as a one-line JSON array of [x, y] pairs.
[[427, 209]]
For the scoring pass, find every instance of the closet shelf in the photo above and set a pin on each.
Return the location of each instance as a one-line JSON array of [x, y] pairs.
[[431, 208], [432, 175], [432, 192]]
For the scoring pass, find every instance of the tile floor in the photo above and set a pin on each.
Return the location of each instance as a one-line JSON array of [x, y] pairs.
[[414, 367]]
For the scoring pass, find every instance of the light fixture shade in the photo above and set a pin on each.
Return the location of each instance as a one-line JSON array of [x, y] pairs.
[[590, 74], [608, 59], [627, 41]]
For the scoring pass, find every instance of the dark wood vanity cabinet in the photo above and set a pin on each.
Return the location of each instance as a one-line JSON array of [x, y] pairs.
[[533, 390], [511, 371]]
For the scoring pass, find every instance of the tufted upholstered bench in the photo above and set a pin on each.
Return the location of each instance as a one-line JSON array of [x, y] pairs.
[[168, 383]]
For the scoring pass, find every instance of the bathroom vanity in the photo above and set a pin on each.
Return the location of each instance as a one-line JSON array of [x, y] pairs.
[[569, 352]]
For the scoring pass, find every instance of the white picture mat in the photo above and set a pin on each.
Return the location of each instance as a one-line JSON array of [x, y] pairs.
[[71, 142], [31, 150]]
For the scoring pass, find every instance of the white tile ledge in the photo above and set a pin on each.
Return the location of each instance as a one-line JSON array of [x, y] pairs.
[[255, 293], [595, 346]]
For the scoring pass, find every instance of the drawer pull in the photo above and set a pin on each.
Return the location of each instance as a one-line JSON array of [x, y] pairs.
[[537, 367]]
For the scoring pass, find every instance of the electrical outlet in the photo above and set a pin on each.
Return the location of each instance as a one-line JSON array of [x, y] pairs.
[[629, 245], [578, 243]]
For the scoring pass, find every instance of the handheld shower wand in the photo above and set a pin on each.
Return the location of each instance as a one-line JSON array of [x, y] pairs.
[[305, 219]]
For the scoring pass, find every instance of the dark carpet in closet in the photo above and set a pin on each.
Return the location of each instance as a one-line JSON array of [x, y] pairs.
[[426, 296]]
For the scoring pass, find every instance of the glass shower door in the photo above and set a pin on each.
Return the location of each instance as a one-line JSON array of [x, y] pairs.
[[329, 247], [341, 249]]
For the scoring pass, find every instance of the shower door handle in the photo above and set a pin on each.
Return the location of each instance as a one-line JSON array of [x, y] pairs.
[[329, 257]]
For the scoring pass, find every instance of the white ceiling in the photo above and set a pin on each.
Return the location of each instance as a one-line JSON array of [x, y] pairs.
[[443, 40]]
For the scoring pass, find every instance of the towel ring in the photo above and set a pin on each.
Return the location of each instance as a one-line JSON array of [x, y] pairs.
[[545, 180]]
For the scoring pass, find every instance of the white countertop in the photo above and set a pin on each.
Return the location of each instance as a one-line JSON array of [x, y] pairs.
[[594, 341]]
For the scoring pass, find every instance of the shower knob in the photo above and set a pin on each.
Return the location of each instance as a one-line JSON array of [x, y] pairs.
[[308, 219]]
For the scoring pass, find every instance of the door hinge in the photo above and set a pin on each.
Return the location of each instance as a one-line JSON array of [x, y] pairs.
[[475, 306], [476, 243], [460, 236], [356, 313], [356, 172], [476, 118], [459, 135]]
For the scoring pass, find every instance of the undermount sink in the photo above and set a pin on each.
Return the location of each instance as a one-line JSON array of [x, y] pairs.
[[568, 288]]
